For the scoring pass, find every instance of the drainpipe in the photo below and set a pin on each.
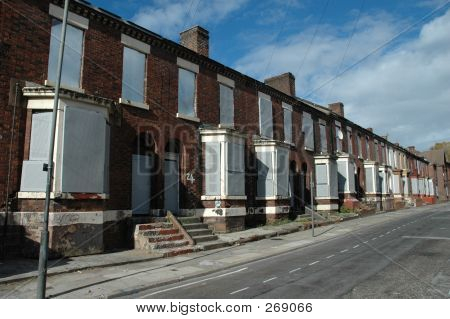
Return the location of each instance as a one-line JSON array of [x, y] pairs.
[[8, 180], [43, 252]]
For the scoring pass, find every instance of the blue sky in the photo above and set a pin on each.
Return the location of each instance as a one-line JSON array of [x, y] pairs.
[[401, 90]]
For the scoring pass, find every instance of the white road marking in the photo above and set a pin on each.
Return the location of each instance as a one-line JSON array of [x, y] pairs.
[[294, 270], [343, 251], [381, 236], [331, 256], [195, 282], [270, 279], [374, 238], [313, 263], [424, 237], [365, 242], [388, 232], [356, 246], [235, 292]]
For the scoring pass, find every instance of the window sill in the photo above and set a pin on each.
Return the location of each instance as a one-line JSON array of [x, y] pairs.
[[74, 196], [224, 197], [309, 149], [272, 197], [71, 88], [134, 103], [230, 126], [188, 117]]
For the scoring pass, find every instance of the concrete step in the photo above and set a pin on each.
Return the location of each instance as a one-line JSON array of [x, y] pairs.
[[203, 238], [171, 252], [162, 238], [154, 226], [195, 226], [169, 244], [199, 232], [189, 220], [213, 245], [160, 231]]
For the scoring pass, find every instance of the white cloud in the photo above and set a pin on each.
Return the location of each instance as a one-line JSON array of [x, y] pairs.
[[169, 18], [401, 91]]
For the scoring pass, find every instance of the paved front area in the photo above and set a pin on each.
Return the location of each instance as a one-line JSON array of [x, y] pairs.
[[336, 250]]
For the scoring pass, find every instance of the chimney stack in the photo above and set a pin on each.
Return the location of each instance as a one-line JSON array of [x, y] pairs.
[[412, 149], [337, 107], [284, 82], [196, 39], [370, 129]]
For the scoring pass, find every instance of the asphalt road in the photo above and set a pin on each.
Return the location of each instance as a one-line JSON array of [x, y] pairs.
[[408, 257]]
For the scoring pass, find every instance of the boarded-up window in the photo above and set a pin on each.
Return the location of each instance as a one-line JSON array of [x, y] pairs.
[[265, 174], [367, 148], [323, 138], [73, 48], [349, 141], [186, 92], [359, 145], [308, 131], [342, 176], [287, 113], [323, 189], [226, 105], [133, 77], [283, 172], [236, 169], [265, 117], [85, 144], [369, 179], [377, 152], [40, 135], [212, 168], [338, 137]]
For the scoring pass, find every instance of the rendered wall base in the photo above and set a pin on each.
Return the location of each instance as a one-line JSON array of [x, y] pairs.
[[72, 233], [266, 215], [327, 204], [387, 203]]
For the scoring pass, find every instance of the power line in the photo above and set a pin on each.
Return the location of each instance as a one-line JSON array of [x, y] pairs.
[[379, 48], [348, 43], [324, 8]]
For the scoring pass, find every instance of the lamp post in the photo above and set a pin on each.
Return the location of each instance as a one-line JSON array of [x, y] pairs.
[[43, 252]]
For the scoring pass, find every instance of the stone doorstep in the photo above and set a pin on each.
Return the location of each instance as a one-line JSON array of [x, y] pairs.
[[153, 226], [159, 232]]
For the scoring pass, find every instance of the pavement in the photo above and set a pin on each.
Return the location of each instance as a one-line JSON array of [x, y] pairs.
[[274, 259]]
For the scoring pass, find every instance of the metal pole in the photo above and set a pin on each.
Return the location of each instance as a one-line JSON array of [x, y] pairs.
[[43, 253], [311, 186]]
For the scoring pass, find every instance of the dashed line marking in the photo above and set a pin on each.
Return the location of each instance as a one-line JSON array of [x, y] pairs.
[[381, 236], [270, 279], [374, 238], [356, 246], [235, 292], [331, 256], [294, 270], [313, 263], [343, 251], [365, 242], [388, 232]]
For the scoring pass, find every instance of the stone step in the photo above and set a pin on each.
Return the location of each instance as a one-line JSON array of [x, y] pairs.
[[195, 226], [189, 220], [169, 244], [199, 232], [154, 225], [171, 252], [213, 244], [157, 239], [160, 231], [201, 239]]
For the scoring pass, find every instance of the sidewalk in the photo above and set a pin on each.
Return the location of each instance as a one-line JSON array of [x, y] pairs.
[[21, 269]]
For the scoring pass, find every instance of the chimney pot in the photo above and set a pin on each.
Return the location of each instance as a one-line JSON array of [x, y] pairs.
[[284, 82], [337, 107], [370, 129], [196, 39]]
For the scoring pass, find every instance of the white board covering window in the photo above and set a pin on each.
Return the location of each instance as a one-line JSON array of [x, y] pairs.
[[133, 76], [283, 172], [369, 173], [226, 105], [323, 138], [322, 180], [212, 168], [236, 170], [287, 116], [85, 151], [376, 150], [265, 116], [73, 48], [308, 131], [367, 148], [265, 174], [338, 137], [186, 92], [359, 145], [40, 135], [349, 141]]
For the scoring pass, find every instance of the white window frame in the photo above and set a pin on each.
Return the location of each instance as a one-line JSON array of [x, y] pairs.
[[264, 122], [310, 122], [194, 68]]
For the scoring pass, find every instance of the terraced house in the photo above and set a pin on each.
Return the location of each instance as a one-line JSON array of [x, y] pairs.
[[146, 126]]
